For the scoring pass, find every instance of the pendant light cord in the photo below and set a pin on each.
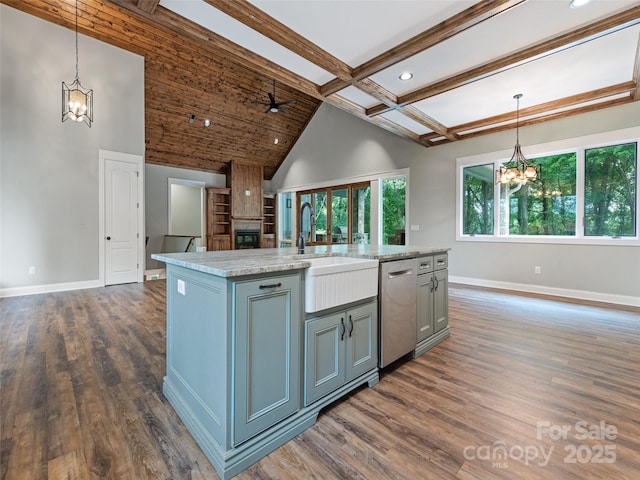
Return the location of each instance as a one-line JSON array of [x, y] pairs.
[[76, 40], [517, 97]]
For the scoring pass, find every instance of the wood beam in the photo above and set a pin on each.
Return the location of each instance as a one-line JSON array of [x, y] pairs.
[[428, 121], [636, 73], [557, 44], [148, 6], [549, 117], [376, 91], [211, 40], [468, 18], [256, 19], [626, 87]]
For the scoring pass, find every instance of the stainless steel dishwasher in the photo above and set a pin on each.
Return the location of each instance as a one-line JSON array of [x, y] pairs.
[[398, 323]]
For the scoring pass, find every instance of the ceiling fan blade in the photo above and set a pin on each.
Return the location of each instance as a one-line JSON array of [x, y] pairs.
[[268, 109], [287, 102], [283, 109]]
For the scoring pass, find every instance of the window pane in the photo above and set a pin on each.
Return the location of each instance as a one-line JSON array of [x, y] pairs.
[[320, 207], [546, 206], [477, 195], [339, 216], [393, 210], [284, 218], [610, 191], [361, 214]]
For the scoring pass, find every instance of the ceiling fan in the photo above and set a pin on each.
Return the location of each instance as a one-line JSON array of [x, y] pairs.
[[272, 105]]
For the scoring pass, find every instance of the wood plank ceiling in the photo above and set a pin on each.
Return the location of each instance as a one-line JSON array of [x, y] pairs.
[[191, 70]]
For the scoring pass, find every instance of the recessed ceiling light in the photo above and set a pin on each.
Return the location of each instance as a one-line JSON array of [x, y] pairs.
[[406, 76], [206, 122], [275, 141], [578, 3]]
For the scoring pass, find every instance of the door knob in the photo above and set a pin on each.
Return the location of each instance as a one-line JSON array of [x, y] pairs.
[[108, 238]]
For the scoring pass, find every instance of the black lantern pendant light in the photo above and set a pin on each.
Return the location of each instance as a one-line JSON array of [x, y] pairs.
[[77, 102]]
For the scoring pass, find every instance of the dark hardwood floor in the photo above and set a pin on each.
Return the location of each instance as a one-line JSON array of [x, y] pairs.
[[526, 387]]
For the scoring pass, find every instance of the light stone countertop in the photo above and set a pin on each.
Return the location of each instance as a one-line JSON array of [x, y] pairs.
[[236, 263]]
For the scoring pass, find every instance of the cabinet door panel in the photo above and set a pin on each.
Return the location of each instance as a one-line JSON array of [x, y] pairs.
[[266, 354], [324, 356], [362, 340], [425, 306], [440, 303]]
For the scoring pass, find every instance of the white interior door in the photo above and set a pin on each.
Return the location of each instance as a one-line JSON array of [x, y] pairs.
[[121, 227]]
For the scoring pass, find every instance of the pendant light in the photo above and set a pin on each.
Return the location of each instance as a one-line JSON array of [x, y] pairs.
[[77, 102], [518, 169]]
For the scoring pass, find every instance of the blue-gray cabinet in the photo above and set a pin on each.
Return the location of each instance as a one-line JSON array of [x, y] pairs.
[[234, 362], [432, 302], [267, 353], [339, 347]]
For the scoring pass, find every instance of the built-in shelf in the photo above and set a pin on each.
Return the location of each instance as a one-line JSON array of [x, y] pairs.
[[268, 220], [218, 218]]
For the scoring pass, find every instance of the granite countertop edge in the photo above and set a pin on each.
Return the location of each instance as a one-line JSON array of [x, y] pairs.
[[237, 263]]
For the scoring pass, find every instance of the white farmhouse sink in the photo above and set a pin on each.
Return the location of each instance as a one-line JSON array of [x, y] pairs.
[[334, 281]]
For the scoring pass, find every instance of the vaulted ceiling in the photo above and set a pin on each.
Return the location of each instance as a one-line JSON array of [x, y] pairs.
[[218, 60]]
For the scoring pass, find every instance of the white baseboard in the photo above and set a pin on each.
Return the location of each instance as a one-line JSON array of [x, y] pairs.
[[559, 292], [50, 288]]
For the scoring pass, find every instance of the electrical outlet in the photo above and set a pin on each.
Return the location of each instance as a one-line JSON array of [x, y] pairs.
[[536, 269], [181, 287], [32, 270]]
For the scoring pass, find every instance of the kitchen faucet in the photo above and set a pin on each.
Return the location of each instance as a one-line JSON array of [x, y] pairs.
[[312, 221]]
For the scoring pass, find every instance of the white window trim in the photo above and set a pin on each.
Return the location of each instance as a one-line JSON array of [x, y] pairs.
[[576, 144]]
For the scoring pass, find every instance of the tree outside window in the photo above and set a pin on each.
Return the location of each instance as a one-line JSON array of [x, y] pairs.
[[550, 206], [393, 210], [610, 190], [477, 199], [546, 206]]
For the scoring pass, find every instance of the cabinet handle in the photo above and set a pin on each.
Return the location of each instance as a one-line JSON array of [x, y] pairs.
[[437, 282], [400, 273], [431, 285], [273, 285], [343, 328], [350, 326]]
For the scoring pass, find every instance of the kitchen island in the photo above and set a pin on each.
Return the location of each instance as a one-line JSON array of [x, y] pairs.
[[248, 368]]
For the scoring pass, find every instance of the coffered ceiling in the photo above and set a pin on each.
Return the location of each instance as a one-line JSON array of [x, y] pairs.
[[468, 59]]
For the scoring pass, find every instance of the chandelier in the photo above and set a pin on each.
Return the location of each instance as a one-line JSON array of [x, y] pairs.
[[518, 169], [77, 102]]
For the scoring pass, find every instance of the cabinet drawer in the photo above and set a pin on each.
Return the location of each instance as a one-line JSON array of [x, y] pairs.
[[425, 265], [440, 262]]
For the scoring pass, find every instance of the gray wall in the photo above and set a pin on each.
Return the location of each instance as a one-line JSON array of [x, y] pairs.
[[156, 199], [186, 210], [337, 145], [49, 169]]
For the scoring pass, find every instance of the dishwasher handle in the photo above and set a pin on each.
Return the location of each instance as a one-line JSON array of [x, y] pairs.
[[401, 273]]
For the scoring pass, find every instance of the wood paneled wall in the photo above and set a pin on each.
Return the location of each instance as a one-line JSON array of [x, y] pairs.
[[185, 76]]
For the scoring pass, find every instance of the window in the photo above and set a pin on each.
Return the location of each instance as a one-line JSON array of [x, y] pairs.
[[611, 191], [477, 200], [342, 214], [584, 194], [361, 213], [544, 207], [393, 210], [284, 219]]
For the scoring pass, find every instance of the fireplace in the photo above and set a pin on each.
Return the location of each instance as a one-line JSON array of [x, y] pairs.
[[247, 239]]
